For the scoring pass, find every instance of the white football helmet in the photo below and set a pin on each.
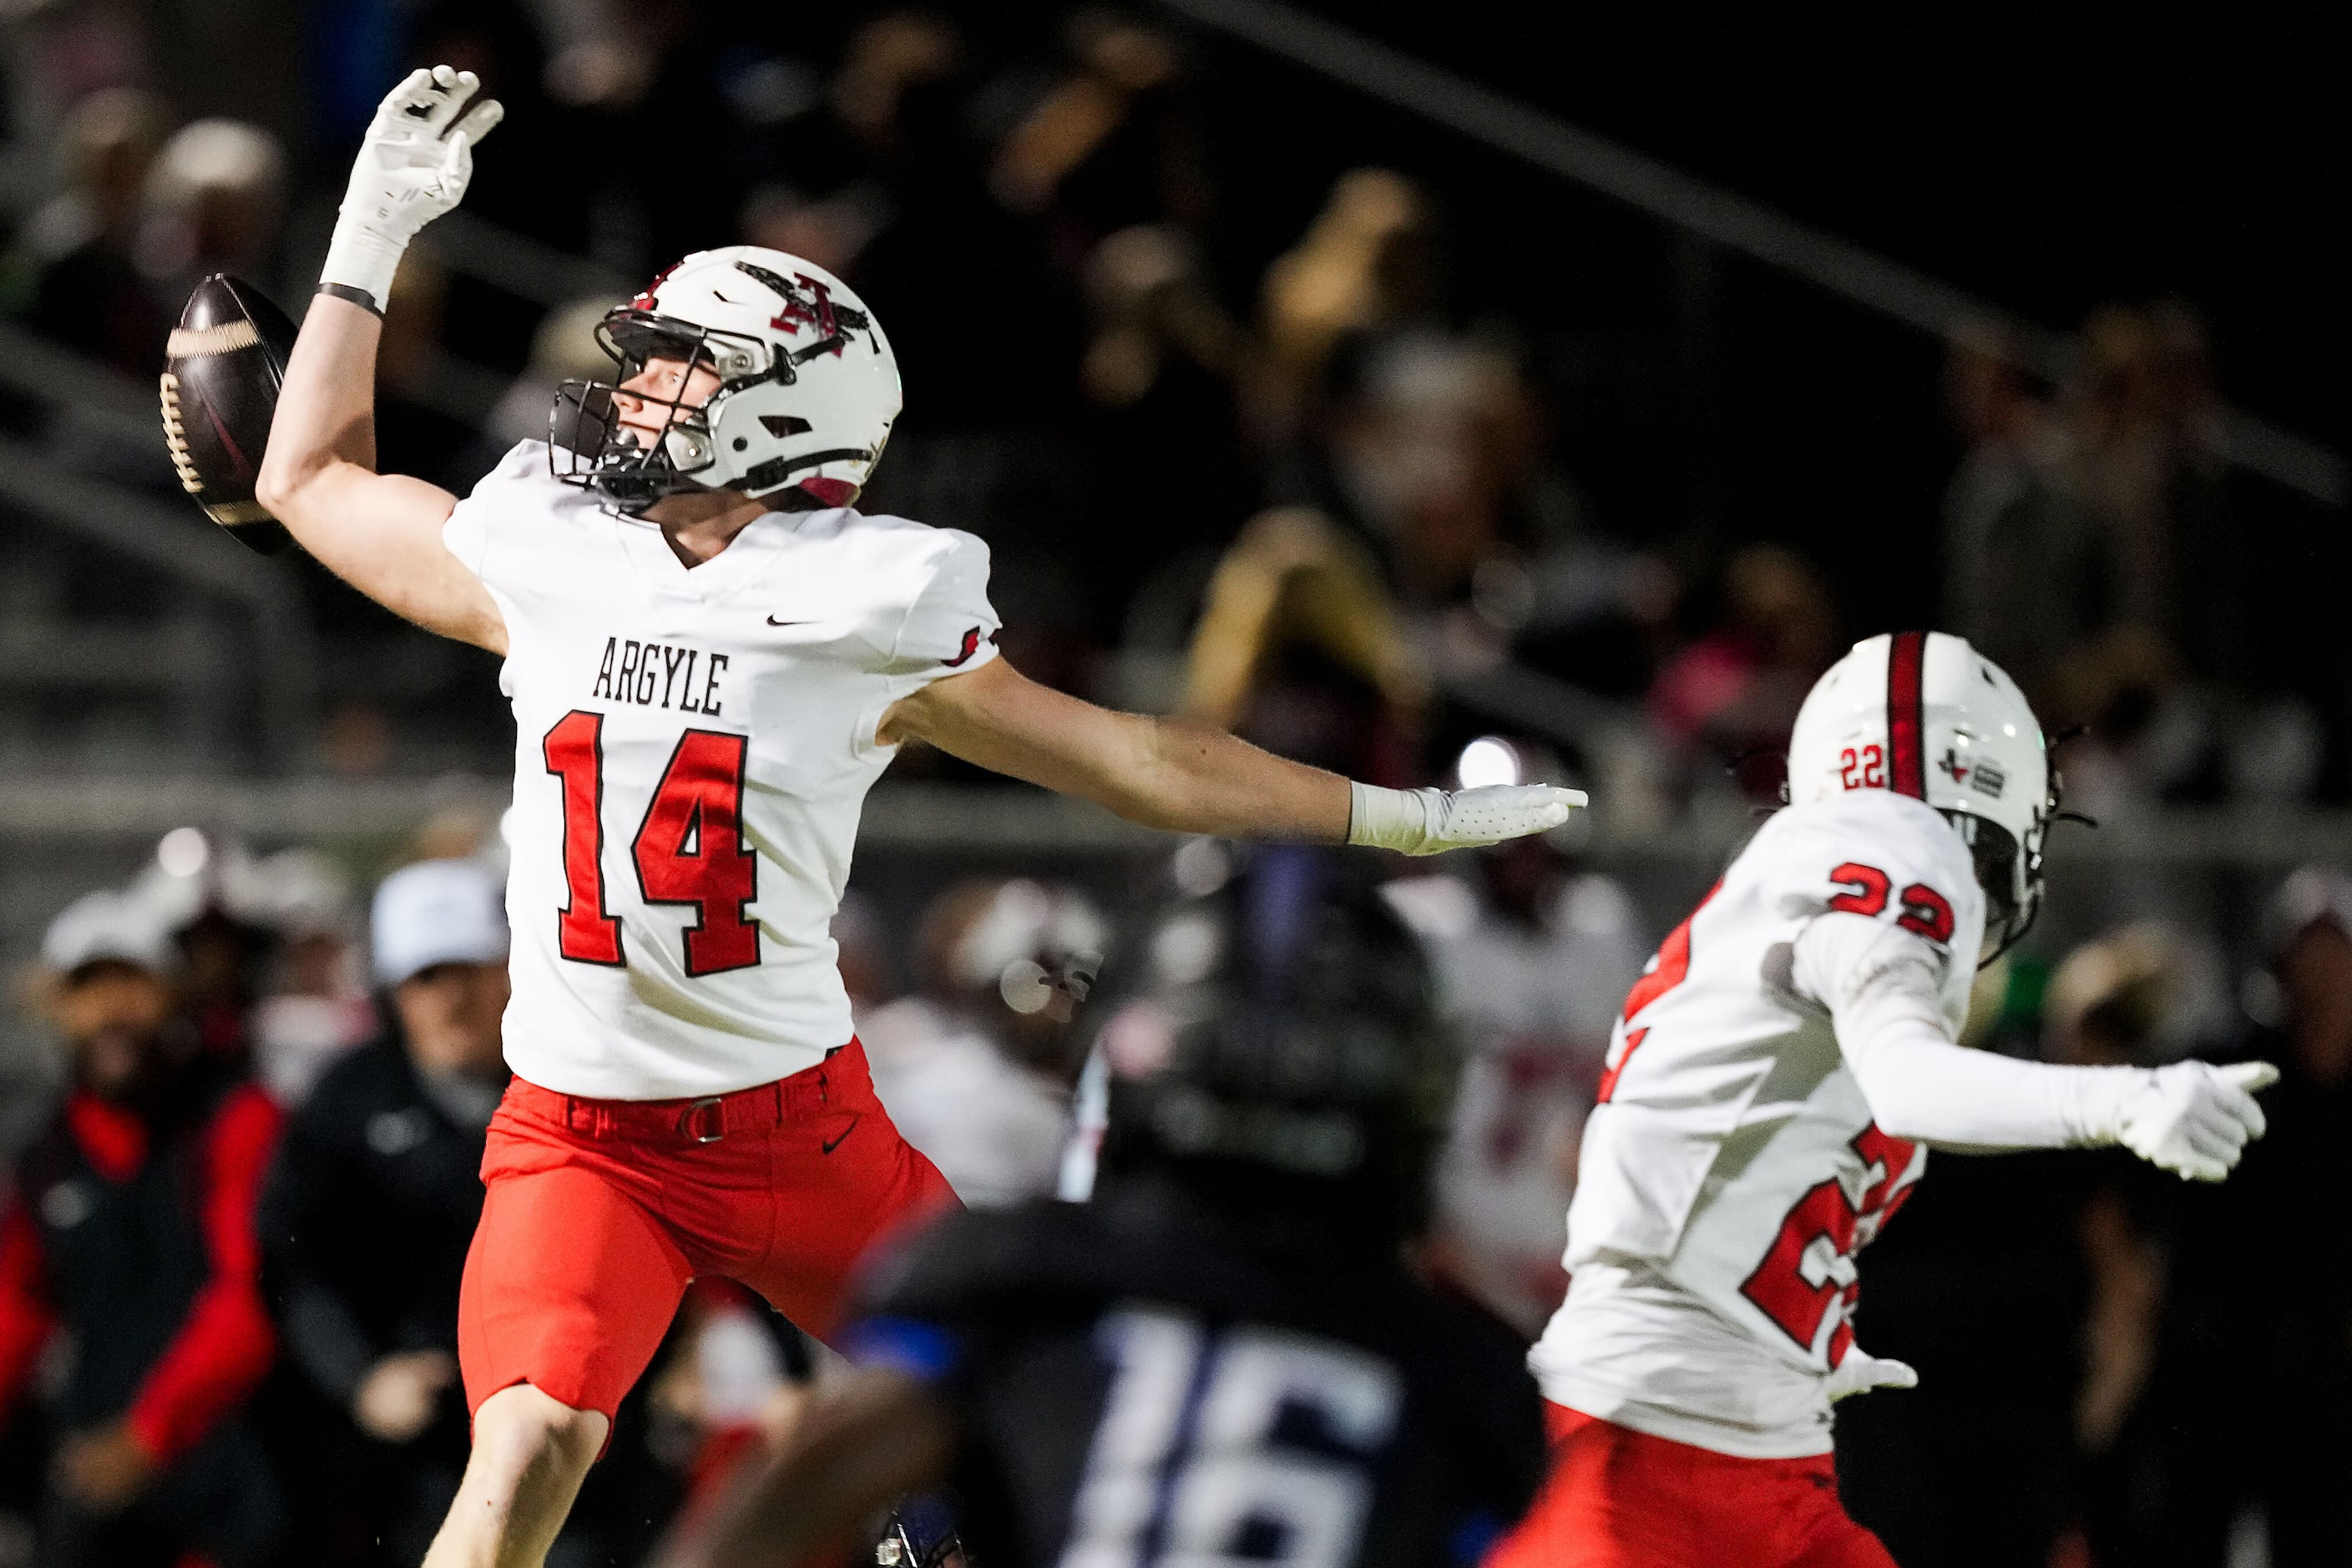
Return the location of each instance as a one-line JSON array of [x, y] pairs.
[[1925, 715], [808, 387]]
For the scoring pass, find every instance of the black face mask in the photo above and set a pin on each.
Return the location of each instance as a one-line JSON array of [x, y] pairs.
[[588, 446], [1996, 854]]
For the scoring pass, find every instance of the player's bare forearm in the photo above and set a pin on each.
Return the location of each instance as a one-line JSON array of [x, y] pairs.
[[326, 410], [379, 532], [1170, 773], [874, 1436]]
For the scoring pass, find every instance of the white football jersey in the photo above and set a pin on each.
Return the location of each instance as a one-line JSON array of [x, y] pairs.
[[1732, 1170], [692, 749], [1533, 1008]]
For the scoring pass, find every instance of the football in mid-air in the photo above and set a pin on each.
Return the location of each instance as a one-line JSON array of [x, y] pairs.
[[221, 374]]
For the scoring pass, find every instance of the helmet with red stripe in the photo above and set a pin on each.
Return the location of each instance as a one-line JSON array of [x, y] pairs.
[[807, 392], [1925, 715]]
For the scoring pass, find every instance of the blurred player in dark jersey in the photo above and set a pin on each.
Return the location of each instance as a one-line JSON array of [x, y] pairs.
[[1224, 1355]]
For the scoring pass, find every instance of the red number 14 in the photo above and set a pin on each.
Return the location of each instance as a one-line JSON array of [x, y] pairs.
[[688, 850]]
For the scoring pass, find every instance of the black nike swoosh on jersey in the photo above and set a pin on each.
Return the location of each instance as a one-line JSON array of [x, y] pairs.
[[773, 622], [835, 1143]]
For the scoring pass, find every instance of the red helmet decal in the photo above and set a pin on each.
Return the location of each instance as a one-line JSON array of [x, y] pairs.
[[645, 301], [832, 492], [1907, 759]]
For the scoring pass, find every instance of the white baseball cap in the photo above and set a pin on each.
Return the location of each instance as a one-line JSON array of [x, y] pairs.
[[437, 912], [108, 925]]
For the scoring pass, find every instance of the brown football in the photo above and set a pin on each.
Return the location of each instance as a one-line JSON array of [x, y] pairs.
[[221, 376]]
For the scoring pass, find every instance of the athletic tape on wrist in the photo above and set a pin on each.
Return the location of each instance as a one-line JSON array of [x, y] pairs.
[[359, 297]]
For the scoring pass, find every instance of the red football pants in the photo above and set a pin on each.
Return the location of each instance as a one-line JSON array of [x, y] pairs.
[[1619, 1499], [600, 1213]]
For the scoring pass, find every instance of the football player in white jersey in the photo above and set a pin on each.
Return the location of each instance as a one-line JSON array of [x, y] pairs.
[[1771, 1090], [711, 655]]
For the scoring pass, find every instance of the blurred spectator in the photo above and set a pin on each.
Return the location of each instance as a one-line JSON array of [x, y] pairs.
[[889, 60], [1299, 648], [2024, 577], [57, 54], [1367, 264], [2260, 1331], [976, 1068], [563, 349], [1739, 688], [2143, 465], [2109, 1005], [1432, 448], [214, 201], [2153, 736], [133, 1231], [1533, 960], [317, 1007], [204, 894], [897, 149], [2030, 1291], [374, 1197], [88, 293], [1153, 312], [736, 1374], [2215, 608], [2121, 462], [1107, 146], [418, 431], [460, 833], [355, 737], [1159, 372]]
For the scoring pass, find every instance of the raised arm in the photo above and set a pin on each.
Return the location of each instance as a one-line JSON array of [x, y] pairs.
[[1188, 777], [379, 532]]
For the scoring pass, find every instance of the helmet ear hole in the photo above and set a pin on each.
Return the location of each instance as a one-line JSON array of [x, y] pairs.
[[688, 450], [782, 425]]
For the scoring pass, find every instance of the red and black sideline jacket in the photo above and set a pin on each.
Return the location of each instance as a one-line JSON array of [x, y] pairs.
[[135, 1228]]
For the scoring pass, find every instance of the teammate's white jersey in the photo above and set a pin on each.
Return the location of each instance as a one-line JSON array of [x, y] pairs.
[[1732, 1170], [1533, 1008], [692, 749]]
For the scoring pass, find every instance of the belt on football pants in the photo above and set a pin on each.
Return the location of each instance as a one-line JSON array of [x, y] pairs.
[[705, 1119]]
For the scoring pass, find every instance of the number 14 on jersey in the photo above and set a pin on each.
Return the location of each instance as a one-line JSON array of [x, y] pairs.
[[688, 849]]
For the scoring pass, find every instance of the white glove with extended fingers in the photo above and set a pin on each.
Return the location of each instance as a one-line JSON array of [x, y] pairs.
[[1860, 1372], [1431, 821], [2192, 1118], [413, 167]]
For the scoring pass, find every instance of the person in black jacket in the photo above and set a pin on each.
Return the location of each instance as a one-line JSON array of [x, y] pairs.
[[1224, 1356], [372, 1204], [129, 1239], [2256, 1372]]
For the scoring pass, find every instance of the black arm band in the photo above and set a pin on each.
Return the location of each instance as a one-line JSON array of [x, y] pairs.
[[360, 297]]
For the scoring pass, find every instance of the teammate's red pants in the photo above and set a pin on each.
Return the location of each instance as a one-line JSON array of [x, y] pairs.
[[600, 1212], [1621, 1499]]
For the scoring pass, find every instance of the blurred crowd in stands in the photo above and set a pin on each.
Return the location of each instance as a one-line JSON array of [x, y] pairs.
[[1247, 445], [240, 1203], [1279, 421]]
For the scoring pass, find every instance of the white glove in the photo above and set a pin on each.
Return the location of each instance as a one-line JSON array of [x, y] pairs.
[[1431, 821], [413, 167], [1861, 1372], [2192, 1118]]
